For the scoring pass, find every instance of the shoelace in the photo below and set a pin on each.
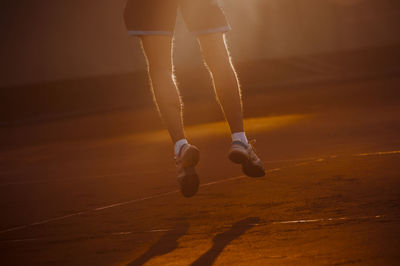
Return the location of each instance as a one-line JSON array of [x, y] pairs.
[[253, 154], [252, 143]]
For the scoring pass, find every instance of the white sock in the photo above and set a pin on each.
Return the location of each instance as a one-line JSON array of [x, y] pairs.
[[240, 136], [179, 144]]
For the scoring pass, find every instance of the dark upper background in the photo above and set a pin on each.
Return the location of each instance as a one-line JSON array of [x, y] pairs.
[[56, 55], [51, 40]]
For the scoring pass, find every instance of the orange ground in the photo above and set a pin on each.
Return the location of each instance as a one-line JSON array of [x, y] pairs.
[[330, 197]]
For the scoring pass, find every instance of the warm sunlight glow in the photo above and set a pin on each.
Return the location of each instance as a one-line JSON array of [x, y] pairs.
[[252, 125]]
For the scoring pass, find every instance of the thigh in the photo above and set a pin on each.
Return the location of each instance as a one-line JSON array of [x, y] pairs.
[[150, 17], [204, 16], [158, 50], [214, 49]]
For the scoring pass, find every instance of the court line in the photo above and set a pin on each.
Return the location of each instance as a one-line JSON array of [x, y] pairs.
[[134, 201], [306, 159], [284, 222], [80, 178], [379, 153], [173, 192], [113, 206], [330, 219], [14, 229]]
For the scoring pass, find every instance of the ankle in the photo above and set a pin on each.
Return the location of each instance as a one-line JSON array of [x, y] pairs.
[[239, 136], [178, 146]]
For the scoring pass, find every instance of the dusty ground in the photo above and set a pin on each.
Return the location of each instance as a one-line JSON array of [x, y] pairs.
[[331, 196]]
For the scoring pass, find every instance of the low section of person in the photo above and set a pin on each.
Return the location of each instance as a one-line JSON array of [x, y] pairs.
[[153, 21]]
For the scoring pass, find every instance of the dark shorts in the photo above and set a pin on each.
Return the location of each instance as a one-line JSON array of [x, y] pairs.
[[157, 17]]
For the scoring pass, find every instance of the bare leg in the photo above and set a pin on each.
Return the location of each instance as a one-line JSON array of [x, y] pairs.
[[226, 85], [166, 95], [157, 50]]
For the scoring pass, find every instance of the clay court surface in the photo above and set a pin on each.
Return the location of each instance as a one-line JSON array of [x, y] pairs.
[[331, 195]]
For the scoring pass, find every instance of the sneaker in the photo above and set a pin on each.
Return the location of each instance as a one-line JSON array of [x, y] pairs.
[[244, 154], [186, 160]]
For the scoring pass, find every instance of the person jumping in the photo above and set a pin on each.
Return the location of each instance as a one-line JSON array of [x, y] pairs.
[[153, 21]]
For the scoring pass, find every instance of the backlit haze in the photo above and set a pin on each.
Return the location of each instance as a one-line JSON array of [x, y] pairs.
[[52, 40]]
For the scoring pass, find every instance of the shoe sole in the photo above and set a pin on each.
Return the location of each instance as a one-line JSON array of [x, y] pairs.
[[238, 157], [191, 158], [251, 171], [189, 184]]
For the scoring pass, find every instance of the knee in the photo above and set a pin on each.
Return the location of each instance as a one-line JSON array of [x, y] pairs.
[[160, 72], [221, 70], [218, 65], [217, 62]]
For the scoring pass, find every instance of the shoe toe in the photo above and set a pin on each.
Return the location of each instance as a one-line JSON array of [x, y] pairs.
[[253, 170], [189, 183]]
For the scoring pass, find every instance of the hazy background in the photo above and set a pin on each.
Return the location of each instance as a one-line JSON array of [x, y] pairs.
[[70, 57], [87, 172], [50, 40]]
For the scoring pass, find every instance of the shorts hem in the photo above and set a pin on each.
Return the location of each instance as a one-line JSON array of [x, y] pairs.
[[149, 32], [210, 31]]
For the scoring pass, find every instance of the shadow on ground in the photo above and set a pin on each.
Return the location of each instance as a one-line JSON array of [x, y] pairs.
[[169, 242], [223, 239], [166, 244]]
